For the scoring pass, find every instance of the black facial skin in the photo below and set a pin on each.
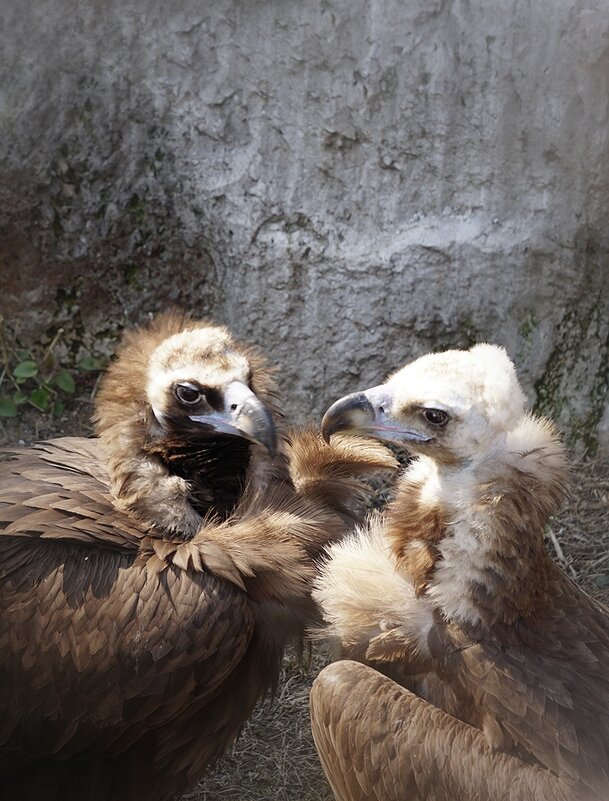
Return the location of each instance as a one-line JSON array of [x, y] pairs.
[[213, 463], [191, 398]]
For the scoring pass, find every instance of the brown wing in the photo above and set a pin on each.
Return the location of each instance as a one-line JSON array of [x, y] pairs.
[[379, 742], [100, 641], [59, 489], [547, 686]]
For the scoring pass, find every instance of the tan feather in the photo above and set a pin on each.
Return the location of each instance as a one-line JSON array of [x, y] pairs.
[[495, 685], [149, 581]]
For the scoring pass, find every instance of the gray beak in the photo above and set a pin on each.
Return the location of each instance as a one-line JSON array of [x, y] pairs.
[[368, 413], [244, 415], [353, 413]]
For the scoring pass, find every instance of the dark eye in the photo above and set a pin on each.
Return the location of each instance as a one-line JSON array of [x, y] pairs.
[[188, 394], [435, 416]]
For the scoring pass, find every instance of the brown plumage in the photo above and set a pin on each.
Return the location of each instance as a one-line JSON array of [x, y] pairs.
[[485, 668], [150, 578]]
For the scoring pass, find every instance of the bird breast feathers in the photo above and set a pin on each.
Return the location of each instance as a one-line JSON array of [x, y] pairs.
[[363, 595]]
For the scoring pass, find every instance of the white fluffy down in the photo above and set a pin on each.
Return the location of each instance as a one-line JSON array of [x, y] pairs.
[[481, 380], [361, 593]]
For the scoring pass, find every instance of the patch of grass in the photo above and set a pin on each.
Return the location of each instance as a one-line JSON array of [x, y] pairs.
[[39, 383], [274, 758], [32, 376], [581, 531]]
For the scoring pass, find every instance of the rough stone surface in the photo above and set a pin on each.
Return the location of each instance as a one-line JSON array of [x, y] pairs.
[[349, 183]]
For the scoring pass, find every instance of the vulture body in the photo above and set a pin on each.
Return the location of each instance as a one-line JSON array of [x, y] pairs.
[[150, 578], [481, 670]]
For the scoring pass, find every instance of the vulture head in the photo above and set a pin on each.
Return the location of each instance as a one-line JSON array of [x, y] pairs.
[[184, 414], [199, 389], [478, 453], [451, 406]]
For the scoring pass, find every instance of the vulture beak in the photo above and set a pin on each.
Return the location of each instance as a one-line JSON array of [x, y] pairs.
[[368, 413], [243, 415]]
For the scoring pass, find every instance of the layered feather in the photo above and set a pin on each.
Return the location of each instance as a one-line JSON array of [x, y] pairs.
[[136, 634], [495, 682]]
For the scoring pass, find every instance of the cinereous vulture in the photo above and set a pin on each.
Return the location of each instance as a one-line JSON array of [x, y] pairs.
[[150, 577], [475, 669]]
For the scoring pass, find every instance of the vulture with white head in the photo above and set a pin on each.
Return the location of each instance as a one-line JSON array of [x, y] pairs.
[[475, 669], [151, 577]]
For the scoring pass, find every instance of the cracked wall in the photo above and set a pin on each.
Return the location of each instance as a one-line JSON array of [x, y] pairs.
[[347, 183]]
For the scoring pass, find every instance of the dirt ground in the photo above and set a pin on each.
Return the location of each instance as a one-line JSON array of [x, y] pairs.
[[274, 759]]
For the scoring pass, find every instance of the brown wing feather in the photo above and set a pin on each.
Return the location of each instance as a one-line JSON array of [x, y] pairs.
[[59, 489], [130, 661], [379, 742], [330, 474], [546, 701], [98, 649]]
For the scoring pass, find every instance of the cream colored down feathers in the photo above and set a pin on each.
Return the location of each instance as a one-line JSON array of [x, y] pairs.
[[479, 387], [479, 651], [480, 390]]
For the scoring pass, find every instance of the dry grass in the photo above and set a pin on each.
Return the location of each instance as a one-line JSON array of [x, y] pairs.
[[275, 757], [579, 537]]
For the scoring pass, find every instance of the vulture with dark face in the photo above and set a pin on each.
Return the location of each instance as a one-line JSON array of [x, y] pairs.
[[482, 671], [150, 578]]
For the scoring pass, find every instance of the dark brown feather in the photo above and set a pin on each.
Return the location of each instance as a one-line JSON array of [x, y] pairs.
[[132, 652], [380, 742]]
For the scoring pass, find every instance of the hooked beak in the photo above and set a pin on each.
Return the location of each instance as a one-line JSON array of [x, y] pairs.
[[368, 413], [244, 415]]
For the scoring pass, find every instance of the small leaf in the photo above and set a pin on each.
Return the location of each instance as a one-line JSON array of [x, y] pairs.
[[25, 370], [65, 382], [40, 398], [7, 408], [19, 397], [57, 409], [88, 363], [602, 580]]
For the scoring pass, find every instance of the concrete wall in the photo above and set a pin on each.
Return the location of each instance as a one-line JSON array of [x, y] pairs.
[[347, 182]]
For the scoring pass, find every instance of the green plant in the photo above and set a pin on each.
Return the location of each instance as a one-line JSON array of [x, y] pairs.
[[33, 376]]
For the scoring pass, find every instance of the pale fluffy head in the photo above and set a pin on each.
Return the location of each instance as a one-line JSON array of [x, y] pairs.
[[481, 380], [203, 356], [477, 388]]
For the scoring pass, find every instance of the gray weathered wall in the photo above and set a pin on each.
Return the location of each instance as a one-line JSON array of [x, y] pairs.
[[348, 183]]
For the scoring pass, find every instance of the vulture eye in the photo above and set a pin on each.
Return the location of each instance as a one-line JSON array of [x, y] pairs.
[[187, 394], [436, 417]]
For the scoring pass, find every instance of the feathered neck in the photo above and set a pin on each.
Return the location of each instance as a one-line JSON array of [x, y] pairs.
[[171, 486], [215, 467], [470, 537]]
